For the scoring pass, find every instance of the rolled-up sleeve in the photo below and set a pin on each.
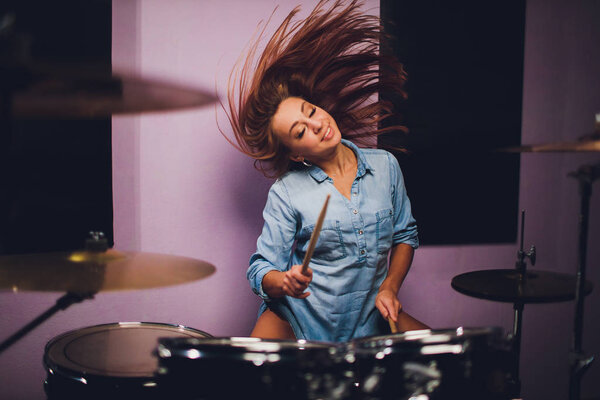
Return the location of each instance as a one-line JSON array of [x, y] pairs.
[[405, 226], [273, 247]]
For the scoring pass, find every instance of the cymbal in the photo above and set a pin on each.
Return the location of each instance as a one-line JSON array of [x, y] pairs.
[[557, 147], [84, 92], [509, 285], [93, 271]]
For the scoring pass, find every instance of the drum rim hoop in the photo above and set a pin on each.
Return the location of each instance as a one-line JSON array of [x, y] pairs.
[[71, 373]]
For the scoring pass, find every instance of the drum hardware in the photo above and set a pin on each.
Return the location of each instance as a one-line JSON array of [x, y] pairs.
[[519, 286], [113, 361], [586, 175], [422, 380], [261, 368], [82, 274], [579, 362], [432, 364], [61, 304]]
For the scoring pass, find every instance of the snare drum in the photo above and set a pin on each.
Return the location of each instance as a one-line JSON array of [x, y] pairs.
[[110, 361], [244, 367], [461, 363]]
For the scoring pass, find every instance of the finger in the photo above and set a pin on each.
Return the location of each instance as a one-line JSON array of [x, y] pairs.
[[301, 279], [291, 281], [293, 289], [298, 286], [300, 294], [393, 310], [308, 272], [382, 309], [389, 305], [298, 275]]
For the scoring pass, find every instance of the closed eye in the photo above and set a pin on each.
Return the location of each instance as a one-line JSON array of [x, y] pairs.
[[301, 133]]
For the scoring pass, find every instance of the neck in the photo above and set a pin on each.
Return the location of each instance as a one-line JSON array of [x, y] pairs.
[[341, 162]]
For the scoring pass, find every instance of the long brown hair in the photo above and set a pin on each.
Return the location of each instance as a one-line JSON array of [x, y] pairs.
[[331, 59]]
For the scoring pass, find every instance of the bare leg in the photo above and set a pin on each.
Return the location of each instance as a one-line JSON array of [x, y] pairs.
[[407, 323], [270, 326]]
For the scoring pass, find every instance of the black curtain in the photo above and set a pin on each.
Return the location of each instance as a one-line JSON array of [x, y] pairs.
[[464, 61], [56, 178]]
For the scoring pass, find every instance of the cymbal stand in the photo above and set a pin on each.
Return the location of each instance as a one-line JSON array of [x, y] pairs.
[[96, 242], [579, 362], [518, 306], [61, 304]]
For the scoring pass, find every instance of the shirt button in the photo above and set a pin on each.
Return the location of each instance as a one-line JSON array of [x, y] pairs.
[[355, 211], [362, 252], [360, 232]]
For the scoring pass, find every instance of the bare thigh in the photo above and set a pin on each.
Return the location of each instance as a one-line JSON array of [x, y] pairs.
[[270, 326], [406, 322]]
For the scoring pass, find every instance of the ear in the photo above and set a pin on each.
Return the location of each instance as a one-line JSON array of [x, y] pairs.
[[297, 158]]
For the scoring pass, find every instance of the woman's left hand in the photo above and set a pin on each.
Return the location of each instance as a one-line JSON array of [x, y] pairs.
[[388, 305]]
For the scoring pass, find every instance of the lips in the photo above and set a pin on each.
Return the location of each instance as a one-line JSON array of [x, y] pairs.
[[327, 134]]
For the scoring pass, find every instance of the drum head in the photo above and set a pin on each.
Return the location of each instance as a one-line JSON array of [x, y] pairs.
[[428, 337], [112, 350]]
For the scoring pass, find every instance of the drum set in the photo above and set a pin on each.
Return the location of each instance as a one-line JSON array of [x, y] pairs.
[[151, 360], [157, 361]]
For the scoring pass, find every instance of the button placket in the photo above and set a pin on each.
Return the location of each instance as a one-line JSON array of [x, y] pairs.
[[358, 224]]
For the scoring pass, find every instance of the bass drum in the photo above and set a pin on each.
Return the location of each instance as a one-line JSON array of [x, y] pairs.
[[244, 367], [109, 361], [463, 363]]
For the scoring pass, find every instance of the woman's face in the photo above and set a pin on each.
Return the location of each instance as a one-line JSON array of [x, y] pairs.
[[308, 131]]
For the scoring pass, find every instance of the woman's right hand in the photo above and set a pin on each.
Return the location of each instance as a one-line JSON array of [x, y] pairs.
[[291, 283], [295, 282]]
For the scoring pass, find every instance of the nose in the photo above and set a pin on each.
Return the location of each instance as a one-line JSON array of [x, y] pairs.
[[316, 125]]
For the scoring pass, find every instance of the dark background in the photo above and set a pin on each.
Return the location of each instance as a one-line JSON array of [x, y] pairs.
[[464, 62], [56, 182]]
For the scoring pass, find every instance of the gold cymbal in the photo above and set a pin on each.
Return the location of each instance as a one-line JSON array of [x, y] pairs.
[[95, 271], [558, 147], [87, 92]]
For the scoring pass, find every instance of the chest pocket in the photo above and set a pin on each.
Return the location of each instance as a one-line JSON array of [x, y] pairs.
[[330, 246], [384, 230]]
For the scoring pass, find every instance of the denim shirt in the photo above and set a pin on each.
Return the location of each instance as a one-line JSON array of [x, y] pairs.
[[350, 259]]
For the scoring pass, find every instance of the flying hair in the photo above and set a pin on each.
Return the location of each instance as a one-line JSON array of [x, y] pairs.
[[330, 58]]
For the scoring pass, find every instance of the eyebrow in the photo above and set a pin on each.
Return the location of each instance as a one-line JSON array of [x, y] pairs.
[[296, 122]]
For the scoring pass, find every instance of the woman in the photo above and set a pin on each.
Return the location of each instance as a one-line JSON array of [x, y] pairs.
[[313, 88]]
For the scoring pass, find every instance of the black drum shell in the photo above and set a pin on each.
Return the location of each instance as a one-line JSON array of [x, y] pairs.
[[467, 363], [75, 370], [231, 367]]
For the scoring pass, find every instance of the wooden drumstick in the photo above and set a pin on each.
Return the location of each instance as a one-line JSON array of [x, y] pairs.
[[393, 325], [315, 236]]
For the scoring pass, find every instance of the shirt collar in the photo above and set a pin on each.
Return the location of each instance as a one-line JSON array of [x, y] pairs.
[[363, 166]]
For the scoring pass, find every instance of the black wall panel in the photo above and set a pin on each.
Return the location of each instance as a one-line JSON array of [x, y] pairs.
[[56, 178], [464, 61]]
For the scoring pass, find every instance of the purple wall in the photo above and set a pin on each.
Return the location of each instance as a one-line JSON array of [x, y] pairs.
[[180, 188]]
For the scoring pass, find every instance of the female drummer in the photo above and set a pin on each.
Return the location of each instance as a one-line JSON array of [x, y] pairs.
[[313, 88]]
